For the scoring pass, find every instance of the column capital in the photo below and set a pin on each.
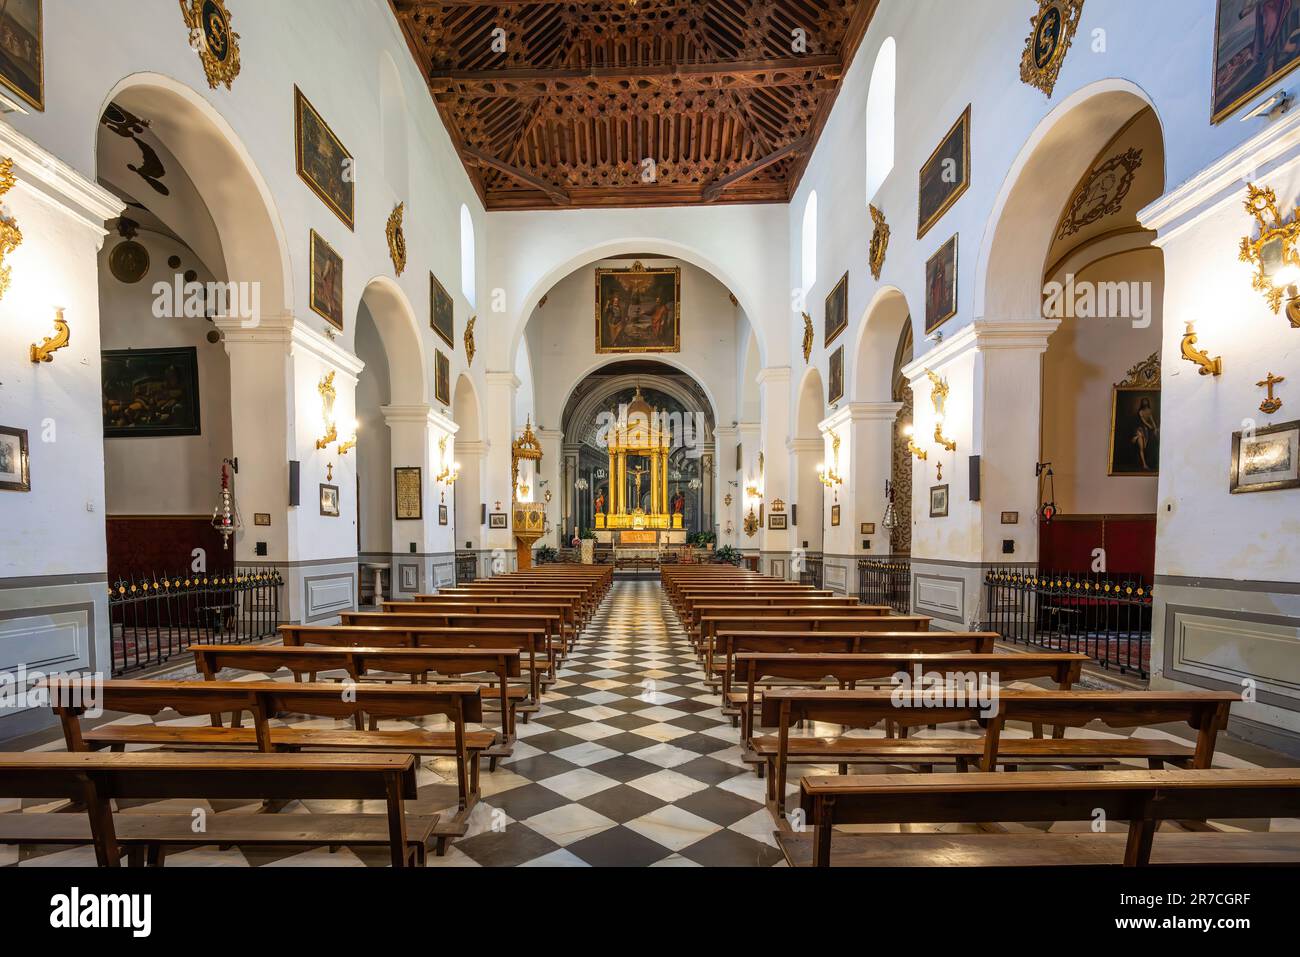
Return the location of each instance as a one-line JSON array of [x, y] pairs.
[[750, 428], [985, 335], [418, 414], [860, 412], [43, 174], [773, 374], [806, 445], [473, 450], [316, 344], [502, 378]]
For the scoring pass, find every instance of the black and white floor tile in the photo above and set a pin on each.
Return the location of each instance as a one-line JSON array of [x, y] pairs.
[[629, 762]]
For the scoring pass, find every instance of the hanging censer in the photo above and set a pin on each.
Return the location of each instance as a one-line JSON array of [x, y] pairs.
[[225, 517]]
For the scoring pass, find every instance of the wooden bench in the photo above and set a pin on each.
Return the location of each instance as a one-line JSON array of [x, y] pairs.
[[372, 663], [731, 643], [759, 619], [780, 606], [571, 606], [1206, 712], [461, 704], [93, 780], [564, 621], [1142, 798], [399, 633], [847, 669]]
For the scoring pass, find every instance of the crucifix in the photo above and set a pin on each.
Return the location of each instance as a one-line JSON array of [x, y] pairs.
[[637, 473], [1272, 403]]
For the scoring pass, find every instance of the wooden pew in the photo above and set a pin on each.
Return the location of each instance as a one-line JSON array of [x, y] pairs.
[[1142, 798], [530, 642], [698, 611], [363, 663], [1206, 712], [262, 700], [765, 619], [695, 606], [570, 605], [873, 666], [731, 643], [565, 620], [94, 780], [411, 614]]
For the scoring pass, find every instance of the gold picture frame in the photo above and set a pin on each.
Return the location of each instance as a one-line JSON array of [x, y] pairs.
[[326, 287], [25, 80], [1225, 102], [941, 285], [441, 377], [836, 317], [408, 493], [327, 167], [934, 197], [642, 324], [1134, 446], [442, 312], [217, 44], [1051, 31], [1267, 460]]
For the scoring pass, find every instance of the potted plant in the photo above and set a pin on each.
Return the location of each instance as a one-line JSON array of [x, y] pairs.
[[728, 553], [704, 540], [546, 554]]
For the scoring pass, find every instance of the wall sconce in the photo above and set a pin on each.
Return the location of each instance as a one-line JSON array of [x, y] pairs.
[[831, 477], [910, 434], [939, 396], [52, 344], [327, 395], [450, 472], [1200, 357], [1274, 254], [349, 443], [753, 492]]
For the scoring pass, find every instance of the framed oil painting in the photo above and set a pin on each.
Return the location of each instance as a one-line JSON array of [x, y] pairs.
[[408, 494], [1267, 460], [639, 309], [945, 175], [150, 393], [941, 286], [15, 473], [441, 377], [938, 501], [326, 281], [498, 520], [837, 311], [442, 514], [1134, 431], [329, 500], [835, 516], [778, 521], [323, 162], [442, 312], [22, 50], [835, 391], [1255, 43]]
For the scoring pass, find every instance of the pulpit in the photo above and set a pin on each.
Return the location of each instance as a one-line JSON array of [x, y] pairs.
[[529, 517]]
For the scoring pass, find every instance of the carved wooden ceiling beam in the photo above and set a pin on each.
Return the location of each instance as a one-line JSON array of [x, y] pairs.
[[480, 158]]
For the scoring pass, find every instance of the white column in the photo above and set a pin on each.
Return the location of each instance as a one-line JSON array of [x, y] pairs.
[[775, 403], [499, 427], [552, 473], [866, 453]]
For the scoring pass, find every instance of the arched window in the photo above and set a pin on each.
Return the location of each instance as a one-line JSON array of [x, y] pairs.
[[467, 265], [880, 117], [809, 243]]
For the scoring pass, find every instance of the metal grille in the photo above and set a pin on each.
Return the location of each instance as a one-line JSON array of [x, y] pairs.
[[886, 581]]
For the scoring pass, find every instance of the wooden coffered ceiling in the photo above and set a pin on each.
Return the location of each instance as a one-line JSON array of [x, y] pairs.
[[722, 96]]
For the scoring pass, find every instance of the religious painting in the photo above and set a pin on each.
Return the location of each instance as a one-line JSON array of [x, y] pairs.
[[441, 377], [150, 393], [1267, 459], [329, 500], [837, 311], [22, 50], [498, 520], [442, 514], [938, 501], [326, 281], [835, 516], [1051, 31], [1255, 43], [866, 528], [1010, 518], [639, 309], [15, 475], [323, 162], [945, 175], [941, 286], [835, 391], [1135, 431], [442, 312], [778, 521], [408, 493]]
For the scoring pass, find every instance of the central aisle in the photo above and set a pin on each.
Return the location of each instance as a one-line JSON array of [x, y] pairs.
[[629, 762]]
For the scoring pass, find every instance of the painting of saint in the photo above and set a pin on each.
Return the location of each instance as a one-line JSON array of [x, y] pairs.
[[1135, 431], [837, 311], [441, 377], [945, 175], [323, 162], [1255, 43], [22, 50], [442, 312], [941, 286], [326, 281], [638, 309]]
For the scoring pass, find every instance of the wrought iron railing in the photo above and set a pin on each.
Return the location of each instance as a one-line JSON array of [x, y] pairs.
[[811, 570], [886, 581], [155, 618], [466, 567], [1107, 617]]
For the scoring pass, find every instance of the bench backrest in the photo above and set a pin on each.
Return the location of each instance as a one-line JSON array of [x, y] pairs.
[[803, 642], [211, 659], [832, 621], [1061, 668], [405, 635]]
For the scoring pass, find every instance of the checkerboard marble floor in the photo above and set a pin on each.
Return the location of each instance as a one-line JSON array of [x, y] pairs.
[[629, 762]]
